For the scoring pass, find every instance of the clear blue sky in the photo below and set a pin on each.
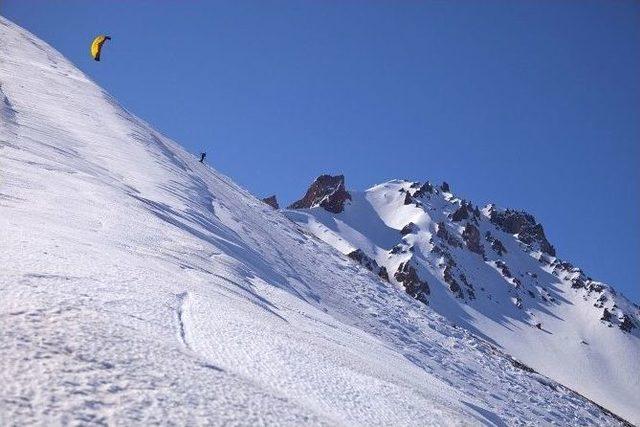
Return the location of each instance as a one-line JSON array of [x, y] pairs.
[[530, 104]]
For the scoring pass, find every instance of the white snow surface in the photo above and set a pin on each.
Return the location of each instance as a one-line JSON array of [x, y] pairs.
[[573, 346], [139, 287]]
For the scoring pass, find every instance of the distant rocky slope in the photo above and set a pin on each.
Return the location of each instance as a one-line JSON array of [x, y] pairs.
[[489, 269]]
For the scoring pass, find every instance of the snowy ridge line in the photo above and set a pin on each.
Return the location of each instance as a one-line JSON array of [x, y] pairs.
[[192, 302], [493, 272]]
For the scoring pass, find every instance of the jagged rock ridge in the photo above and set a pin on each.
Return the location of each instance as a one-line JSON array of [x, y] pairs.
[[326, 191], [482, 267]]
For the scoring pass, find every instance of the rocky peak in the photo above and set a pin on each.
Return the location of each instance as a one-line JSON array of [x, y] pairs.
[[424, 190], [522, 224], [272, 201], [461, 213], [326, 191], [451, 224]]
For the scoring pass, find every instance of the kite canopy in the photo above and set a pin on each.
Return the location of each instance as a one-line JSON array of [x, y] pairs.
[[96, 46]]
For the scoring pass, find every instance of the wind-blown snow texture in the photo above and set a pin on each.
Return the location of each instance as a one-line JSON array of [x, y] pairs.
[[139, 286], [493, 272]]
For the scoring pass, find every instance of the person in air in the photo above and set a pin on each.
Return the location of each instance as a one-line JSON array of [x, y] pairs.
[[96, 46], [202, 156]]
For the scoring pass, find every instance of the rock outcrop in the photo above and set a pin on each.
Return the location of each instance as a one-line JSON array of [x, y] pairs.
[[272, 201], [408, 229], [327, 192], [425, 190], [369, 263], [413, 285], [461, 213], [471, 237], [523, 225]]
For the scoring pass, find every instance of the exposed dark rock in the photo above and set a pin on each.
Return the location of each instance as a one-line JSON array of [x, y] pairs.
[[577, 283], [521, 365], [504, 269], [397, 249], [364, 260], [414, 185], [454, 287], [470, 291], [272, 201], [413, 285], [383, 274], [524, 225], [496, 244], [426, 189], [564, 265], [408, 199], [595, 287], [409, 229], [448, 259], [436, 248], [445, 187], [600, 301], [626, 324], [444, 234], [461, 213], [543, 259], [498, 247], [471, 236], [368, 263], [326, 191], [606, 315]]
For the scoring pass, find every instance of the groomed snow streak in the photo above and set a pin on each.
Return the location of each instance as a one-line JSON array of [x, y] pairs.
[[139, 286]]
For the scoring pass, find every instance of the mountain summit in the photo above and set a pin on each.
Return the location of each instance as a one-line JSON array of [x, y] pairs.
[[140, 286], [494, 272]]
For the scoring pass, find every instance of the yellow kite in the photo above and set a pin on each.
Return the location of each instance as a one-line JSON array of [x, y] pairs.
[[96, 46]]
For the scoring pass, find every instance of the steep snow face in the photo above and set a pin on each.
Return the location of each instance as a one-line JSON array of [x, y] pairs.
[[139, 286], [494, 272]]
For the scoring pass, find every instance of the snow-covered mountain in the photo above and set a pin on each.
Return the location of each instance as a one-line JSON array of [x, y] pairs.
[[139, 286], [492, 271]]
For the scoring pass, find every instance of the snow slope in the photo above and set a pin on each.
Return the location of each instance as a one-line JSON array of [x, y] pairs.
[[500, 285], [139, 286]]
